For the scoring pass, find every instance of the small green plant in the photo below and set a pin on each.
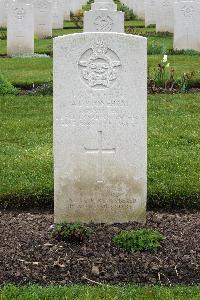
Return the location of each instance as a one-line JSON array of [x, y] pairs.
[[138, 240], [6, 87], [166, 79], [156, 48], [73, 232], [3, 34]]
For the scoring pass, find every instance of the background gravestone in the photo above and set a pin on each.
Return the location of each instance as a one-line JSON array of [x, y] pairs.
[[165, 16], [103, 21], [187, 25], [150, 12], [43, 18], [100, 127], [67, 10], [20, 31], [110, 5], [58, 14], [3, 13]]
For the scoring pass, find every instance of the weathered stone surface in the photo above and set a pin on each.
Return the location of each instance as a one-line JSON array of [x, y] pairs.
[[43, 18], [165, 16], [187, 25], [3, 13], [103, 5], [103, 21], [100, 127], [20, 31], [67, 10], [58, 14], [150, 12], [140, 9]]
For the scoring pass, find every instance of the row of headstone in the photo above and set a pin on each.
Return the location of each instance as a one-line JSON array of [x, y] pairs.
[[103, 17], [181, 17], [100, 123], [60, 10], [26, 19]]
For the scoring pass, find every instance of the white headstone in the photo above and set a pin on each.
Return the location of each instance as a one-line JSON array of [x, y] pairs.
[[150, 12], [103, 5], [75, 6], [67, 10], [165, 16], [3, 13], [187, 25], [20, 28], [43, 18], [100, 127], [140, 9], [58, 14], [103, 21]]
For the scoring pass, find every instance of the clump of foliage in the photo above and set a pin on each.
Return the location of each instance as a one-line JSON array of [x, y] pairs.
[[156, 48], [138, 240], [75, 232], [165, 78], [6, 87], [77, 18], [3, 34], [87, 6]]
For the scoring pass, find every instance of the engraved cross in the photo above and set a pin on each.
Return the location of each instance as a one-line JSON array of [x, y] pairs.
[[100, 151]]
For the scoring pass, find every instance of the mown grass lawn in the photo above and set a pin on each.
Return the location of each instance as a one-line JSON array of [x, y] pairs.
[[26, 71], [104, 292], [173, 149]]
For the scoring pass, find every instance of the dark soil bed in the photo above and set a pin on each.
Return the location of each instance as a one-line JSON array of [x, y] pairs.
[[28, 253]]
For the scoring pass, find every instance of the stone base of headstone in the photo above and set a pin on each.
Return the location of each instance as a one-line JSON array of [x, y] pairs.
[[103, 21]]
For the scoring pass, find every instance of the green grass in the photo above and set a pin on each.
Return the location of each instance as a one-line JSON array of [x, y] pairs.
[[173, 149], [104, 292], [26, 71], [26, 150]]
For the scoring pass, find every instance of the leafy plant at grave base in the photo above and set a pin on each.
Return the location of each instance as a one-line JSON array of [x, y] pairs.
[[166, 80], [183, 52], [77, 18], [87, 6], [74, 232], [183, 82], [3, 34], [138, 240], [155, 48], [6, 87]]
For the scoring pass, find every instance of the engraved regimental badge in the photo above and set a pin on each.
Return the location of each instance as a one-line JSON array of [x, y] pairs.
[[187, 11], [99, 66], [19, 13], [103, 23]]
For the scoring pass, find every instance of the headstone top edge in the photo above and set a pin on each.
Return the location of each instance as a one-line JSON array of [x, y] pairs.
[[85, 34]]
